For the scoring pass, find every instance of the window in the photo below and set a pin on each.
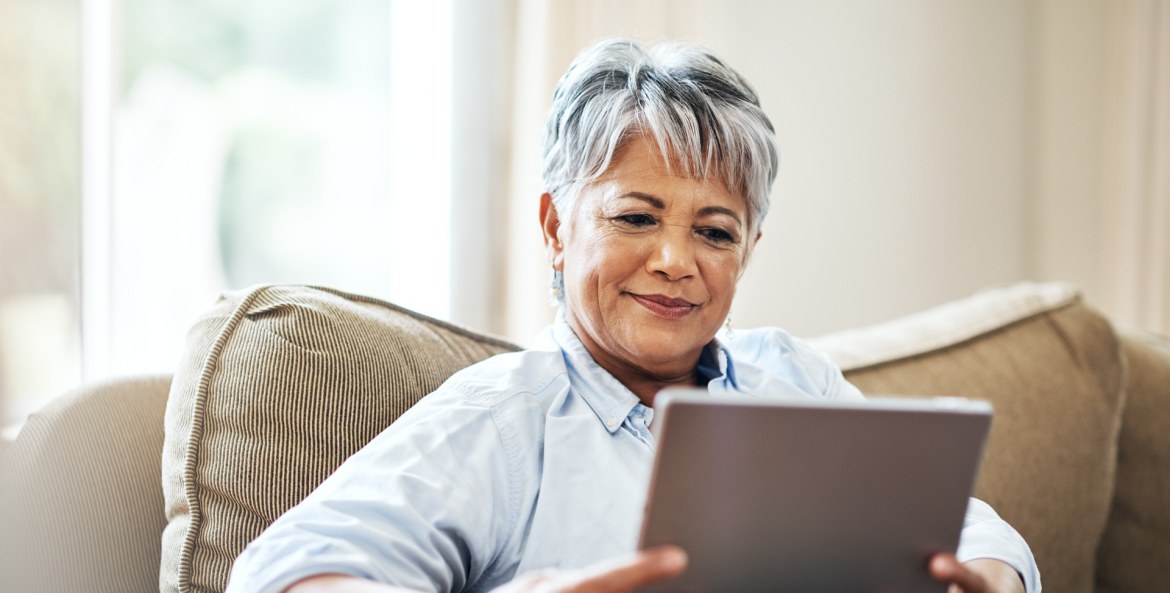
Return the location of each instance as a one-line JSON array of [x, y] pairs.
[[40, 340], [222, 145], [273, 141]]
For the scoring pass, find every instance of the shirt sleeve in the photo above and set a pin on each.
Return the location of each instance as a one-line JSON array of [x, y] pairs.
[[986, 535], [424, 506]]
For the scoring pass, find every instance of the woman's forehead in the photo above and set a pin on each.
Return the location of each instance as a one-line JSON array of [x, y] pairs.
[[642, 158]]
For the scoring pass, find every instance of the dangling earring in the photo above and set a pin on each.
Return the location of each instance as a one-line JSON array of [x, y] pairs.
[[727, 326], [556, 289]]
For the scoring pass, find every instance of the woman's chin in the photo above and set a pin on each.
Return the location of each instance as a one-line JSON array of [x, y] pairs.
[[666, 354], [689, 333], [657, 346]]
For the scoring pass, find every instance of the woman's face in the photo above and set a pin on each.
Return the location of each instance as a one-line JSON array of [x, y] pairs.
[[650, 262]]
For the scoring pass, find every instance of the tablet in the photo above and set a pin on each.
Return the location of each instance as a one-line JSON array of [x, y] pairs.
[[807, 495]]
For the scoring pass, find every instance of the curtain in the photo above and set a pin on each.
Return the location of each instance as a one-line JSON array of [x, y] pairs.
[[1137, 167]]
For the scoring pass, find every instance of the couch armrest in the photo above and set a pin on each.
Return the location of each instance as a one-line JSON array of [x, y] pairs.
[[81, 505]]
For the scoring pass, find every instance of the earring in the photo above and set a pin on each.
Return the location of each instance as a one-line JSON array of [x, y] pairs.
[[556, 289], [727, 326]]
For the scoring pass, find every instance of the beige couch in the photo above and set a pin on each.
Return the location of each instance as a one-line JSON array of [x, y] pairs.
[[279, 384]]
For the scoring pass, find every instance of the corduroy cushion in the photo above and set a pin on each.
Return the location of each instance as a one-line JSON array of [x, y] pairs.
[[1051, 368], [278, 386], [1135, 550], [80, 499]]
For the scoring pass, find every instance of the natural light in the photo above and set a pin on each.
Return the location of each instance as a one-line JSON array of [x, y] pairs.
[[310, 145], [273, 164]]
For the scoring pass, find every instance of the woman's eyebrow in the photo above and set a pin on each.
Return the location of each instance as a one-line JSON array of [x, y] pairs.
[[713, 210], [654, 201]]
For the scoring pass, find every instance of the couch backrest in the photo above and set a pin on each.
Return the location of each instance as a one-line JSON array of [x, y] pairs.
[[1052, 369], [80, 498]]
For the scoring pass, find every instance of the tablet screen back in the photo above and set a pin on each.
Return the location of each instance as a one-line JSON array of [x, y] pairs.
[[811, 496]]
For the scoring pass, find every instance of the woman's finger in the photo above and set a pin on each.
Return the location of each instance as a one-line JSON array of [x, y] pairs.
[[627, 574], [946, 568]]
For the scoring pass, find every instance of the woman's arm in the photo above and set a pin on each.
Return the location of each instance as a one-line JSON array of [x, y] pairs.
[[621, 575], [424, 505], [340, 583]]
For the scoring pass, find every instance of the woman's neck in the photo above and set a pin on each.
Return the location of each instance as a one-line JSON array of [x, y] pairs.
[[646, 389]]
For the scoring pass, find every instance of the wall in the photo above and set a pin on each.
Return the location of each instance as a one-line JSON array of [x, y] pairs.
[[904, 129], [1068, 241]]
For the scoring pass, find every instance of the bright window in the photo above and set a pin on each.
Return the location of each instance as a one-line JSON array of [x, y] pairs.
[[221, 145], [40, 339], [272, 141]]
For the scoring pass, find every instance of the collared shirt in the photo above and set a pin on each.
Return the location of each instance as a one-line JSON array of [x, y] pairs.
[[526, 461]]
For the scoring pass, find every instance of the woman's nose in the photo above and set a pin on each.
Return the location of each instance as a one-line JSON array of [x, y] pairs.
[[673, 256]]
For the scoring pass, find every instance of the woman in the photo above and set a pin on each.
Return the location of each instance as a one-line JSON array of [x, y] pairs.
[[528, 471]]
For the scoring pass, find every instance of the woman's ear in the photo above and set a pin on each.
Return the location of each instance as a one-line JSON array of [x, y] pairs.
[[550, 223], [751, 248]]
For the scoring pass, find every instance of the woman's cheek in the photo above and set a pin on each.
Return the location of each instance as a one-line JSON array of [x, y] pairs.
[[726, 265]]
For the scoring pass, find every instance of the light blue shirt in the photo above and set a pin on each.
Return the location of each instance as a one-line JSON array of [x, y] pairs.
[[525, 461]]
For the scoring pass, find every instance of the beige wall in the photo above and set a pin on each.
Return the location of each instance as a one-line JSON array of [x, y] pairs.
[[928, 149], [904, 131], [1067, 241]]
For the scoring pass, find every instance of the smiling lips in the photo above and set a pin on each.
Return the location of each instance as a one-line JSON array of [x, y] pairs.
[[664, 306]]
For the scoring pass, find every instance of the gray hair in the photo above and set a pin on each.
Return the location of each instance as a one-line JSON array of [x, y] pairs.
[[703, 115]]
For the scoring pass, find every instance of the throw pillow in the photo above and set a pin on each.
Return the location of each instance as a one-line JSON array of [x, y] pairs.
[[278, 386]]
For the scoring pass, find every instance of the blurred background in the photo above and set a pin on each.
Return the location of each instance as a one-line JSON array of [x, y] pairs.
[[154, 153]]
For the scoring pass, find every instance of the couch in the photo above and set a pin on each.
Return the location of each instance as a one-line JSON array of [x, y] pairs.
[[156, 482]]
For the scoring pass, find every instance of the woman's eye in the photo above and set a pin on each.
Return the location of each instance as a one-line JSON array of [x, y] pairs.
[[637, 220], [717, 235]]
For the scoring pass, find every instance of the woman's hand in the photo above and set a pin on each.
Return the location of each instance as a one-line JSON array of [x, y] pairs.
[[982, 575], [620, 575]]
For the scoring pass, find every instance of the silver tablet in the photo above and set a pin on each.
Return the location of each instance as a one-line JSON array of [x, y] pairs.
[[810, 496]]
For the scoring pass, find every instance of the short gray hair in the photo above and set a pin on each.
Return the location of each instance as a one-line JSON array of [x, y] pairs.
[[702, 114]]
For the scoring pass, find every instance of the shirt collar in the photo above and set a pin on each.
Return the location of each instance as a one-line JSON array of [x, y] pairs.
[[609, 399], [612, 401], [717, 367]]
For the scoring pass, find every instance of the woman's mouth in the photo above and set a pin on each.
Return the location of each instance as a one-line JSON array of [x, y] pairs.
[[664, 306]]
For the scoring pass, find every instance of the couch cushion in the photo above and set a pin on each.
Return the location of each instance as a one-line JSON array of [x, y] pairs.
[[278, 386], [1051, 367], [1135, 550], [80, 499]]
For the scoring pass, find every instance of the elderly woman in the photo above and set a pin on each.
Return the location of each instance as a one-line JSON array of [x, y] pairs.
[[528, 471]]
